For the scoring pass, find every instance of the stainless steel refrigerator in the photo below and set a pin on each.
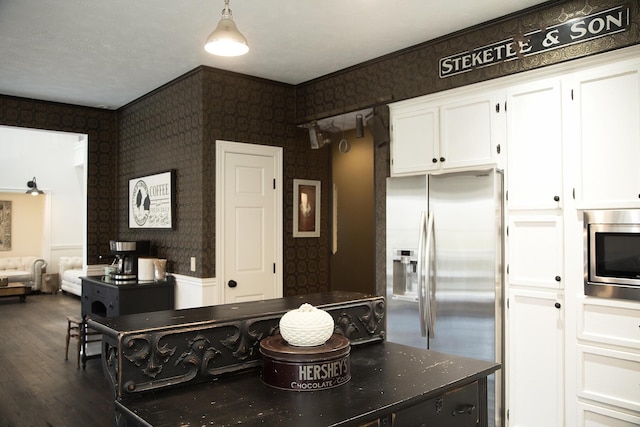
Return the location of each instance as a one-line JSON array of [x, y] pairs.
[[444, 267]]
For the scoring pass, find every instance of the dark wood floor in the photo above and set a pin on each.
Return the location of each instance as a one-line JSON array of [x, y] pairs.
[[37, 386]]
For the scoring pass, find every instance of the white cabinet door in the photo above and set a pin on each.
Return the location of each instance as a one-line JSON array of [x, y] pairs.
[[608, 100], [470, 131], [535, 374], [597, 416], [534, 138], [452, 133], [609, 377], [608, 365], [535, 251], [414, 139], [609, 322]]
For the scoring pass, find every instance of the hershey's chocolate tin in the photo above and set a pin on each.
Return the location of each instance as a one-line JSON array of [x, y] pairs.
[[305, 368]]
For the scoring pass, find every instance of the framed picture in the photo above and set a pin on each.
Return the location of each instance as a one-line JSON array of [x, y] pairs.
[[306, 208], [152, 200], [5, 225]]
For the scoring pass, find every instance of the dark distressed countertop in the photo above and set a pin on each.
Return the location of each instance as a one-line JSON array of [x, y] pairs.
[[385, 377]]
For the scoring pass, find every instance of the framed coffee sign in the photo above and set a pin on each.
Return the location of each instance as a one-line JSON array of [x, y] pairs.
[[152, 201]]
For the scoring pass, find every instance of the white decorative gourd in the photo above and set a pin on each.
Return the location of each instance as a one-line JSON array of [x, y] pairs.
[[306, 326]]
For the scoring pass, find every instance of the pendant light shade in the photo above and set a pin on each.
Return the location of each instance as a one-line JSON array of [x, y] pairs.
[[226, 40], [33, 188]]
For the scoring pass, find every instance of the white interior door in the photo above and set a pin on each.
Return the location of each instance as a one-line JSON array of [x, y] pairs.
[[249, 222]]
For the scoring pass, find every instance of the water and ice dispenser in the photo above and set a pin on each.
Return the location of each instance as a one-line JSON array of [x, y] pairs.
[[405, 274]]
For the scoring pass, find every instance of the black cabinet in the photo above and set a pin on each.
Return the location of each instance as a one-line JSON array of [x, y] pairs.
[[104, 299], [101, 298], [456, 408]]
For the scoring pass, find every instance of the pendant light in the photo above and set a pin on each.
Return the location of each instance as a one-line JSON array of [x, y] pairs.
[[33, 188], [226, 40]]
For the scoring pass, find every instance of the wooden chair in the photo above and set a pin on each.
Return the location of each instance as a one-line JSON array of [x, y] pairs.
[[75, 327]]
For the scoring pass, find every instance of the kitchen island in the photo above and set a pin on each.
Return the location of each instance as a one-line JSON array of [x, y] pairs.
[[202, 366], [390, 384]]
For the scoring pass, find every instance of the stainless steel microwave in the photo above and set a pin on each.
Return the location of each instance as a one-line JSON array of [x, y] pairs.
[[612, 253]]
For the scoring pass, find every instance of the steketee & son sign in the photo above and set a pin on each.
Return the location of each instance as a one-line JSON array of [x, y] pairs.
[[574, 31]]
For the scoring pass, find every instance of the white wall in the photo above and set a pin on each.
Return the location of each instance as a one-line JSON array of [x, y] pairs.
[[57, 160]]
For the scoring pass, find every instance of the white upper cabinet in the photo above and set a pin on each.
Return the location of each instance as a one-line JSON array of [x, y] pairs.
[[470, 131], [447, 134], [414, 138], [608, 132], [534, 135]]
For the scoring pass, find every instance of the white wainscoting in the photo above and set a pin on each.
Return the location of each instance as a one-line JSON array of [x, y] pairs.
[[195, 291]]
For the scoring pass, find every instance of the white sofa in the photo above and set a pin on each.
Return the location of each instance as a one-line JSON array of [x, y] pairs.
[[26, 269], [70, 270]]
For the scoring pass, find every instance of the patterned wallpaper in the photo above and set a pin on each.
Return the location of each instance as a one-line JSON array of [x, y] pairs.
[[306, 260], [245, 109], [159, 132], [414, 71], [175, 127]]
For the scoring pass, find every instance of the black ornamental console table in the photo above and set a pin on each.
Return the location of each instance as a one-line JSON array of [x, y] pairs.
[[201, 366], [151, 351]]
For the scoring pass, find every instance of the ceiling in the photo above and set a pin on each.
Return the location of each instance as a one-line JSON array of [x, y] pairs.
[[107, 53]]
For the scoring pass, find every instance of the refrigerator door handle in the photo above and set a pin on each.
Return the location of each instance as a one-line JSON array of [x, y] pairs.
[[430, 287], [422, 237]]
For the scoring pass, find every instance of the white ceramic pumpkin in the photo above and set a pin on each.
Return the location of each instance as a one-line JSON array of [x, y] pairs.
[[306, 326]]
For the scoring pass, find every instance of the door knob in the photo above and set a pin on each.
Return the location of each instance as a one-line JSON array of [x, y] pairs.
[[557, 305], [232, 283]]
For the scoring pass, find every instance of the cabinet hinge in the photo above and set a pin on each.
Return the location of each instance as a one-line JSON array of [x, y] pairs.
[[574, 193], [506, 195], [508, 268], [507, 230], [507, 307], [507, 414]]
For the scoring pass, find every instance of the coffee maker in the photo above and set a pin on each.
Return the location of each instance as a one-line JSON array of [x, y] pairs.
[[126, 259]]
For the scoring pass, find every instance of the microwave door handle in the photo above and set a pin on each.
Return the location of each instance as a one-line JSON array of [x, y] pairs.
[[430, 273], [421, 263]]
